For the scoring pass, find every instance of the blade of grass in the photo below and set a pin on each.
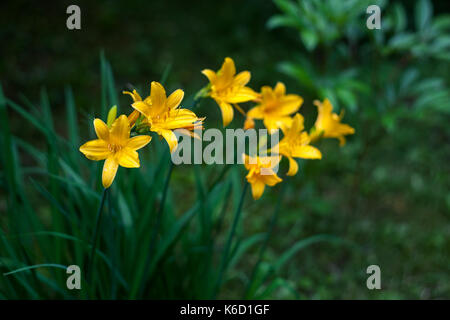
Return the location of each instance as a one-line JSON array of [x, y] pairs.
[[42, 265], [90, 262], [226, 251], [273, 221], [142, 273], [7, 155]]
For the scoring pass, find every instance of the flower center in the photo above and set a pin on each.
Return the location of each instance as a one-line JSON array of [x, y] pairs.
[[114, 148]]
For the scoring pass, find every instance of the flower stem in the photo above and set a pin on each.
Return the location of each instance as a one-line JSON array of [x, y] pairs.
[[221, 175], [156, 226], [226, 252], [90, 262], [263, 248], [238, 108]]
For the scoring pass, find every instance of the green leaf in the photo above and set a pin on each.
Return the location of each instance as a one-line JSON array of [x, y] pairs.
[[423, 12], [165, 74], [400, 17], [348, 98], [408, 78], [309, 38], [172, 235], [277, 21], [72, 118], [42, 265], [402, 41], [287, 7], [49, 196], [28, 116], [244, 246], [112, 114], [441, 23], [276, 284], [301, 244], [125, 213], [7, 153], [297, 72]]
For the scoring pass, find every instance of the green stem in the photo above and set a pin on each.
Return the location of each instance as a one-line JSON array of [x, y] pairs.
[[90, 262], [157, 224], [227, 248], [221, 175], [263, 248]]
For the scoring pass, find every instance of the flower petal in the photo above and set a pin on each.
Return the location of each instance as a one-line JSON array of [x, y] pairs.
[[289, 104], [211, 75], [101, 129], [280, 89], [257, 189], [109, 171], [174, 99], [272, 123], [271, 180], [293, 167], [142, 107], [306, 152], [170, 138], [295, 129], [134, 95], [327, 107], [132, 118], [157, 95], [227, 112], [95, 149], [249, 123], [121, 129], [138, 142], [256, 112], [345, 129], [242, 78], [228, 69], [128, 158], [244, 94]]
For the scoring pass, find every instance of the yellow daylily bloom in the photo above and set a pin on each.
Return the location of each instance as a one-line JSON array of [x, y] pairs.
[[228, 88], [115, 146], [276, 107], [135, 114], [295, 144], [260, 173], [162, 114], [328, 124]]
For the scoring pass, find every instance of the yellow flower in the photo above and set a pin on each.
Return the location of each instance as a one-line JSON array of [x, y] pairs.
[[276, 107], [135, 114], [227, 88], [115, 146], [328, 124], [260, 173], [249, 123], [295, 144], [162, 114]]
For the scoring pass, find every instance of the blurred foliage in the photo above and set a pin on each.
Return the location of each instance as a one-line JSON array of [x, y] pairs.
[[383, 199]]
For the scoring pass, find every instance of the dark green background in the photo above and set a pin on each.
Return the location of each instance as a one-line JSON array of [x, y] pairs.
[[386, 191]]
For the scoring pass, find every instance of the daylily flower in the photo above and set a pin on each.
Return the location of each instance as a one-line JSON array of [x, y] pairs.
[[135, 114], [162, 114], [260, 173], [249, 123], [115, 147], [295, 144], [276, 107], [227, 88], [328, 124]]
